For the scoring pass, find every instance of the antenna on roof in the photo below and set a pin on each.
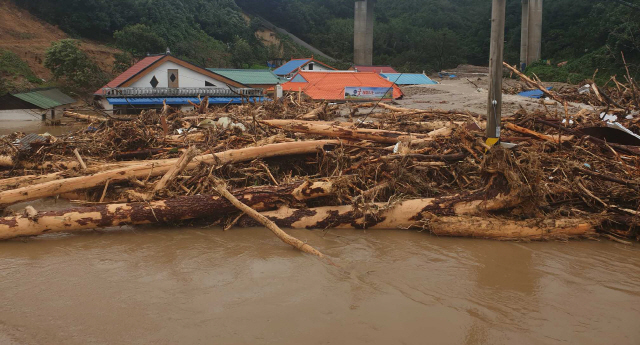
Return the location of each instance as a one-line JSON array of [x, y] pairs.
[[168, 51]]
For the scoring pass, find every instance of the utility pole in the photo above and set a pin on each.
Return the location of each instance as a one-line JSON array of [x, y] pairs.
[[494, 106]]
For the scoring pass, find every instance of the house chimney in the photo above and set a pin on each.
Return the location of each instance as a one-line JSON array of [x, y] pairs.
[[168, 51]]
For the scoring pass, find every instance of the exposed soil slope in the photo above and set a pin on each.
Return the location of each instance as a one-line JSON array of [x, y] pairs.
[[29, 38]]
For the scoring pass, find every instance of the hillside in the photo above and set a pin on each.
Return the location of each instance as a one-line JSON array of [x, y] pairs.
[[28, 37]]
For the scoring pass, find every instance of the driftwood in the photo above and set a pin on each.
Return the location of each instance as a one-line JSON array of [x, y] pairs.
[[331, 130], [549, 138], [89, 118], [80, 160], [283, 236], [163, 211], [405, 216], [6, 161], [180, 165], [314, 114], [155, 168], [533, 83]]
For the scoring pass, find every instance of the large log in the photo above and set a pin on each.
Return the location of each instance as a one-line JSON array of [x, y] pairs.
[[406, 216], [6, 161], [163, 211], [332, 130], [155, 168], [89, 118]]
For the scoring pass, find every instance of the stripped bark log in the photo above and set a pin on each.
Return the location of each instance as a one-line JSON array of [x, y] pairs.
[[331, 130], [182, 163], [549, 138], [156, 168], [314, 114], [6, 161], [405, 216], [163, 211], [283, 236], [89, 118], [80, 160]]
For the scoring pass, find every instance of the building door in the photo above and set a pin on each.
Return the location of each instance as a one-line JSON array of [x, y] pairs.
[[173, 78]]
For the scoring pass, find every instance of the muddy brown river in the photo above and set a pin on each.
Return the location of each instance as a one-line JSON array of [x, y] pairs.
[[244, 286], [155, 285]]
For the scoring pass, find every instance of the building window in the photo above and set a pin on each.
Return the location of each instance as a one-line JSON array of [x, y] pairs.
[[206, 83], [311, 66], [154, 82]]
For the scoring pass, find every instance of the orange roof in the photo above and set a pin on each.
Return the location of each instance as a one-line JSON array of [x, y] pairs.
[[331, 85]]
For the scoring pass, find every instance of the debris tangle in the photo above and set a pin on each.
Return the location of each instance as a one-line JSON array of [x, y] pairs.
[[312, 165]]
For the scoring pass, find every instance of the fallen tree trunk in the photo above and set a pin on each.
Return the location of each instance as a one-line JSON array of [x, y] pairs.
[[89, 118], [6, 161], [331, 130], [155, 168], [180, 165], [403, 216], [163, 211]]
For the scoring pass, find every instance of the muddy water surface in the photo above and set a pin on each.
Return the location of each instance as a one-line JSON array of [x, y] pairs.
[[243, 286], [29, 121]]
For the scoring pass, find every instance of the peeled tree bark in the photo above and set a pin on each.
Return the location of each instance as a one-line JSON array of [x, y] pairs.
[[155, 168], [405, 216], [332, 130], [457, 216], [163, 211], [90, 118]]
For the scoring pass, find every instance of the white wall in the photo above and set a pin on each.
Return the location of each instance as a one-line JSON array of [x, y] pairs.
[[316, 67], [187, 77]]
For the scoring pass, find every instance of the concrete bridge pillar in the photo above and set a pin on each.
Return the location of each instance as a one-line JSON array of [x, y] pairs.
[[363, 33], [531, 35]]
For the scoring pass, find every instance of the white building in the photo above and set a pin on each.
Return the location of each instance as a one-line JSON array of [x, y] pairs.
[[165, 78]]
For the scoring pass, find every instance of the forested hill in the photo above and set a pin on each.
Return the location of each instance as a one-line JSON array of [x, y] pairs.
[[417, 35], [411, 35]]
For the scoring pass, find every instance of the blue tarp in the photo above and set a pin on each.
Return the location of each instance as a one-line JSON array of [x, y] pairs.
[[533, 93], [179, 100], [408, 78]]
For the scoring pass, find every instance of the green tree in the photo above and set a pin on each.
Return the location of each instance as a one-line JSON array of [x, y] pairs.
[[203, 50], [139, 40], [241, 53], [122, 62], [69, 64]]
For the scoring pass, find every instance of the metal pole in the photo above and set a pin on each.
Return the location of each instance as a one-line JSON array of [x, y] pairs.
[[494, 106]]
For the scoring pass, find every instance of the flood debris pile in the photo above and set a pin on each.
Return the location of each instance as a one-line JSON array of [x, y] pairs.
[[320, 165]]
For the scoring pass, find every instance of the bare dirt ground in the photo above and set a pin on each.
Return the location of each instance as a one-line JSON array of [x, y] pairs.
[[470, 92]]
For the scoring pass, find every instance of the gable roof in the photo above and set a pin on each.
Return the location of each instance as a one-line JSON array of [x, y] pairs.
[[133, 70], [248, 76], [376, 69], [331, 85], [295, 64], [45, 98], [408, 78], [146, 65]]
